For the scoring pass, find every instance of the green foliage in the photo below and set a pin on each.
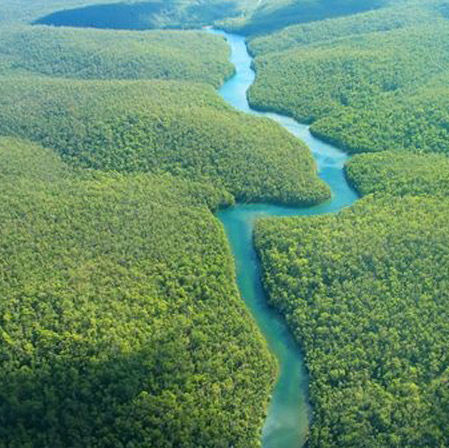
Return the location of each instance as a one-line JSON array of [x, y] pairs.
[[417, 121], [381, 89], [161, 126], [144, 15], [382, 20], [134, 14], [316, 81], [120, 321], [272, 15], [366, 294], [399, 174], [103, 54], [23, 10], [366, 291]]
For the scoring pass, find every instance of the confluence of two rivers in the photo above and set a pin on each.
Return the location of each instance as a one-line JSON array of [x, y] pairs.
[[288, 417]]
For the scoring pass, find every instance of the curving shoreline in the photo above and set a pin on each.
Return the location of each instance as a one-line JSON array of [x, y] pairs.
[[289, 411]]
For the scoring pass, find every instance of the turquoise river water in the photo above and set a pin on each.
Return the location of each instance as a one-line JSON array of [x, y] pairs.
[[289, 413]]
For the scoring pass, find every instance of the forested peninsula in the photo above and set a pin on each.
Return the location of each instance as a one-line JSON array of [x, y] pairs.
[[121, 323], [365, 291], [116, 333]]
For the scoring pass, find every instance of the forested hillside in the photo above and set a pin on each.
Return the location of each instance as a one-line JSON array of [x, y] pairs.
[[366, 294], [399, 174], [133, 14], [104, 54], [366, 83], [181, 128], [161, 126], [120, 321], [416, 122], [272, 15], [365, 291], [385, 19]]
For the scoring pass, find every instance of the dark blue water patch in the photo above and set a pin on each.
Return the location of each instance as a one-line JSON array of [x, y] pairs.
[[142, 16]]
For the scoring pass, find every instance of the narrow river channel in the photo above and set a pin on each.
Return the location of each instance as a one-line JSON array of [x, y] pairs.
[[289, 412]]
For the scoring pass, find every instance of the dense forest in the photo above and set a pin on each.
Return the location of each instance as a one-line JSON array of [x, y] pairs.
[[366, 294], [122, 14], [161, 126], [365, 82], [120, 321], [385, 19], [418, 122], [272, 15], [365, 291], [399, 174], [104, 54]]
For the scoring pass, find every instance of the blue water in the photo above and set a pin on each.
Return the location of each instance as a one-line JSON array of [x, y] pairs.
[[289, 413]]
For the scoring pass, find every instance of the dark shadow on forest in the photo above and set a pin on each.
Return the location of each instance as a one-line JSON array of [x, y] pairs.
[[77, 401], [142, 16]]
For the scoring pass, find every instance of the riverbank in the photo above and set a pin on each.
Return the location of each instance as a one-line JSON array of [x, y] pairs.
[[289, 413]]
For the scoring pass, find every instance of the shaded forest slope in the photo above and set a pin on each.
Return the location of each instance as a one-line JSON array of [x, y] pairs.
[[370, 82], [120, 309]]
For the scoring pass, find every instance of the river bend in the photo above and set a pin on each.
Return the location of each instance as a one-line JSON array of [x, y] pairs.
[[289, 413]]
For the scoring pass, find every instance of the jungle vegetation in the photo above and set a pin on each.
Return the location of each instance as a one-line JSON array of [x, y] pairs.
[[122, 14], [381, 20], [161, 126], [417, 122], [366, 291], [104, 54], [367, 83], [272, 15], [399, 174], [366, 294], [120, 321]]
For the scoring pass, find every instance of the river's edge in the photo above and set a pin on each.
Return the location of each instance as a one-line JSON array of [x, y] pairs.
[[289, 411]]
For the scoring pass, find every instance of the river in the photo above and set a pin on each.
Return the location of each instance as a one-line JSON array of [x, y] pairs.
[[289, 412]]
